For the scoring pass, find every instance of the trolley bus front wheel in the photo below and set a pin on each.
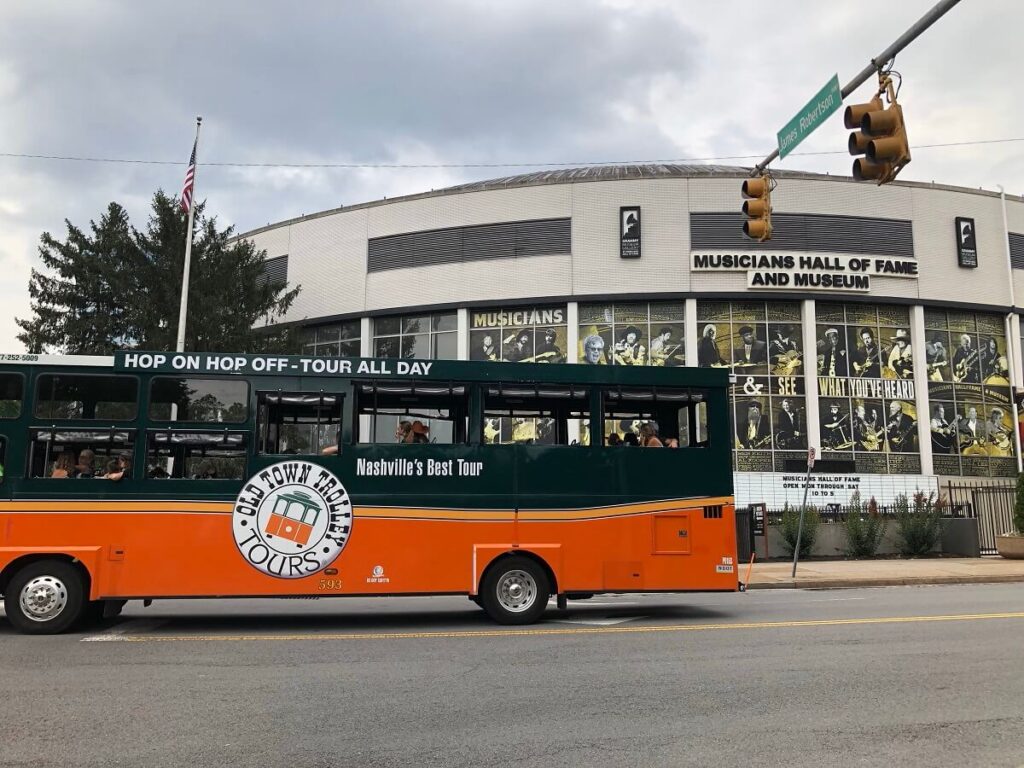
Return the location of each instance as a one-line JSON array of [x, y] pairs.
[[515, 590], [45, 597]]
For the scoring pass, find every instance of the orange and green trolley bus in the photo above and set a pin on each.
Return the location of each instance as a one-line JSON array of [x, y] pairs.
[[149, 475]]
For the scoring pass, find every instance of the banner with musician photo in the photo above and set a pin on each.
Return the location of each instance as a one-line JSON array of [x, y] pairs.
[[971, 422], [635, 333], [518, 334]]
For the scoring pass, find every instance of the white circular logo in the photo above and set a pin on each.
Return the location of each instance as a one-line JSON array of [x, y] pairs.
[[292, 519]]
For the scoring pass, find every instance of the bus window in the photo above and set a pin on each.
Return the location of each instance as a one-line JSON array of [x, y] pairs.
[[77, 396], [77, 453], [198, 455], [303, 423], [411, 412], [627, 408], [543, 414], [175, 398], [12, 386]]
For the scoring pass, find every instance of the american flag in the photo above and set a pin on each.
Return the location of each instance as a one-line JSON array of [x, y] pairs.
[[190, 178]]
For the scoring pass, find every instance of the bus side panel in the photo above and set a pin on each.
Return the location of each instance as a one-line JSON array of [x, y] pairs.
[[670, 549], [193, 554]]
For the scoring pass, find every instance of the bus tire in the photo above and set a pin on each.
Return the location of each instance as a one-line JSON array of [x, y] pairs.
[[515, 590], [45, 597]]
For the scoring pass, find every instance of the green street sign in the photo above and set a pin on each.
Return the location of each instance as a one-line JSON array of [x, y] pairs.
[[825, 102]]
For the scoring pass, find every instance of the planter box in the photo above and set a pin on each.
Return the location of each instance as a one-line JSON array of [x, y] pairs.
[[1011, 547]]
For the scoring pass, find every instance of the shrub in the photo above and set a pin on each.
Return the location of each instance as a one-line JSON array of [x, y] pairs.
[[790, 524], [919, 525], [1018, 508], [864, 528]]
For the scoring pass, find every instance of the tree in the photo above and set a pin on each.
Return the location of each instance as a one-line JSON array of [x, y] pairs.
[[116, 287]]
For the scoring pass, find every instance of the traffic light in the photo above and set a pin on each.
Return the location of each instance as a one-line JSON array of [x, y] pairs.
[[758, 208], [882, 137]]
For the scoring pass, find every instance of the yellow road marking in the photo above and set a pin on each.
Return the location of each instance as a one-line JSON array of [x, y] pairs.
[[539, 632]]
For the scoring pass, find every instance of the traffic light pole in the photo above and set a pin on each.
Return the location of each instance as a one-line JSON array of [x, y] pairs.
[[878, 62]]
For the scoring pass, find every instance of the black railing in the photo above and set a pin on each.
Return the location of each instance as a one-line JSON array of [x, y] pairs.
[[991, 504]]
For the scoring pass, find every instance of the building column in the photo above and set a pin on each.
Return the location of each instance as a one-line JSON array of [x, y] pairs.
[[809, 331], [572, 332], [923, 405], [1012, 347], [462, 333], [690, 332], [366, 337]]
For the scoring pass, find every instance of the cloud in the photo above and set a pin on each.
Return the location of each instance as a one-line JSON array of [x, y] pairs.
[[449, 82]]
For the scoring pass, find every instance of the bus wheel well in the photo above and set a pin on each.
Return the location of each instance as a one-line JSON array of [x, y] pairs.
[[16, 565], [521, 553]]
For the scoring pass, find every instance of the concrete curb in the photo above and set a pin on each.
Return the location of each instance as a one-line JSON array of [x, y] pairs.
[[888, 582]]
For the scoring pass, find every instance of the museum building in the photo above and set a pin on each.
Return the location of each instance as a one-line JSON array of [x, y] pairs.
[[878, 325]]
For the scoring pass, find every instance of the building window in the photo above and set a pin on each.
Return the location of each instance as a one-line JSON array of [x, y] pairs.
[[632, 334], [518, 334], [867, 406], [971, 419], [423, 337], [760, 343], [337, 340]]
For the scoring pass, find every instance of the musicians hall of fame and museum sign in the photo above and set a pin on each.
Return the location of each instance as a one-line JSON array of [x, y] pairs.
[[785, 271]]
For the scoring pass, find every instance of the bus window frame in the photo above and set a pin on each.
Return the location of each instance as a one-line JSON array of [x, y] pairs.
[[102, 420], [459, 417], [24, 391], [694, 398], [580, 394], [250, 416], [254, 451], [33, 431], [150, 433]]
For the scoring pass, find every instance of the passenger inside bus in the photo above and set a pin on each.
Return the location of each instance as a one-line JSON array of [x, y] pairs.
[[65, 465], [85, 470]]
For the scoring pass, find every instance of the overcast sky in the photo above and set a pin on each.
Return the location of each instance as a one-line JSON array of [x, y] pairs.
[[454, 81]]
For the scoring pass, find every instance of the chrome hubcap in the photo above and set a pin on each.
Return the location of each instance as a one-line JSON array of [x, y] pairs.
[[43, 598], [517, 591]]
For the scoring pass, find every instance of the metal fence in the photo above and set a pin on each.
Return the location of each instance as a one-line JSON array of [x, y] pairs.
[[992, 505]]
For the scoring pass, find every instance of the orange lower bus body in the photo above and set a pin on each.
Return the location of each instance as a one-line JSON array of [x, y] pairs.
[[186, 549]]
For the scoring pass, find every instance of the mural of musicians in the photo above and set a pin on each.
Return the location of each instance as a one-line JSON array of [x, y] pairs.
[[936, 358], [998, 434], [943, 430], [784, 350], [750, 351], [832, 357], [836, 434], [753, 430], [867, 435], [593, 350], [994, 368], [629, 348], [789, 430], [548, 350], [519, 346], [965, 361], [867, 357], [708, 354], [972, 436], [900, 359], [900, 427], [665, 350], [484, 348]]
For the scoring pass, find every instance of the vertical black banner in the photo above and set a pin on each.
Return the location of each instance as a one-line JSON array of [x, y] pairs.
[[629, 232], [966, 242]]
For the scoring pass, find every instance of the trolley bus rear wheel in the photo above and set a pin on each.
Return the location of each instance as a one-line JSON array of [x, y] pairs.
[[45, 597], [515, 590]]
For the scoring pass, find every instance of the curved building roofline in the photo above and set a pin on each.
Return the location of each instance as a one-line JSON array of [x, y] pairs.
[[592, 173]]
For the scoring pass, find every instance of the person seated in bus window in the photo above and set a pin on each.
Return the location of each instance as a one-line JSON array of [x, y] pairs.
[[403, 433], [157, 472], [330, 450], [206, 470], [84, 469], [65, 465], [630, 439], [649, 435], [671, 443], [614, 440], [118, 468], [420, 432]]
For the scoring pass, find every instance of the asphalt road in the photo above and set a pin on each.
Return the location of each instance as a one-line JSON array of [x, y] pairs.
[[892, 676]]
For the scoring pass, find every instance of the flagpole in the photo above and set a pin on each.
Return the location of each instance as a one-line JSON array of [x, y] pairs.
[[183, 308]]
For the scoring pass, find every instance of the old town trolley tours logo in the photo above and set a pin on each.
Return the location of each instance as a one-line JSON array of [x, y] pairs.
[[292, 519]]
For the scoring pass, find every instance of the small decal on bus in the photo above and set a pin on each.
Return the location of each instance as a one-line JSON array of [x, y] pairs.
[[378, 576], [723, 569], [292, 519]]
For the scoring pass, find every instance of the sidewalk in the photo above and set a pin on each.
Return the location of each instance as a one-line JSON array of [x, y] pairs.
[[835, 574]]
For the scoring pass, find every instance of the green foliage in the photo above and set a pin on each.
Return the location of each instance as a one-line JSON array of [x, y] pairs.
[[919, 524], [790, 523], [116, 287], [1018, 508], [864, 528]]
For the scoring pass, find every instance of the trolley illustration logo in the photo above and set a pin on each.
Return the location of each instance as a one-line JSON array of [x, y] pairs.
[[292, 519]]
